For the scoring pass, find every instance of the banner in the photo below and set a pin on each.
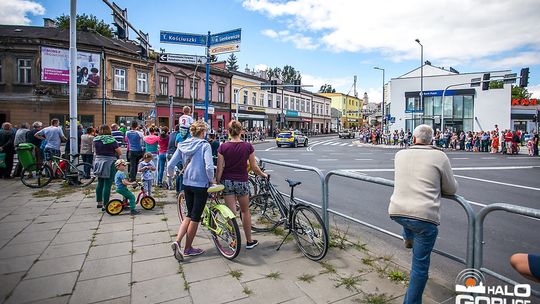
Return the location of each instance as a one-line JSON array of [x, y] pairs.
[[55, 67]]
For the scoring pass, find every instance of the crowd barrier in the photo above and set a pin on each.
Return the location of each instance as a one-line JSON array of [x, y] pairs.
[[475, 227]]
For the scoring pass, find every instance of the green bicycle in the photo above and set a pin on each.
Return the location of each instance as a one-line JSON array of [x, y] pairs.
[[220, 220], [40, 175]]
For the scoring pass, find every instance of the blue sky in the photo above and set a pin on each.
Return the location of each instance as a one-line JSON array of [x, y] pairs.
[[331, 41]]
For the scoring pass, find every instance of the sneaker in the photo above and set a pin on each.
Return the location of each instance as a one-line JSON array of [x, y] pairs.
[[252, 244], [100, 205], [193, 251], [176, 251], [134, 212], [408, 244]]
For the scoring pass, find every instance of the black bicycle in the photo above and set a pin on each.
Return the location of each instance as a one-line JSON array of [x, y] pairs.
[[269, 210]]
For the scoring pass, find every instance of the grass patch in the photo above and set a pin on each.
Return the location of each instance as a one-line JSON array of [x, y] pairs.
[[338, 238], [308, 278], [350, 283], [327, 268], [247, 291], [274, 275], [165, 219], [374, 299], [132, 283], [367, 261], [237, 274], [397, 276], [360, 246], [132, 251]]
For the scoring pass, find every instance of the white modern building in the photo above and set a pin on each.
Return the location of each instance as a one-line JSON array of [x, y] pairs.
[[464, 108]]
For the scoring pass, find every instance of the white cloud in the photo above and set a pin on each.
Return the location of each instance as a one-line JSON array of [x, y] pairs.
[[535, 90], [261, 67], [15, 11], [516, 60], [300, 41], [451, 30]]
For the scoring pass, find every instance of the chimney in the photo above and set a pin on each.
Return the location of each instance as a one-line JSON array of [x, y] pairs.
[[48, 22]]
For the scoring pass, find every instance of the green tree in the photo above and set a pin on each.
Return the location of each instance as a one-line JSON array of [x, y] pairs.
[[327, 88], [273, 73], [232, 63], [520, 93], [496, 84], [88, 21], [289, 74]]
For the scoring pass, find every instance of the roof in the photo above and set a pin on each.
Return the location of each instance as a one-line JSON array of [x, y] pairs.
[[88, 38], [242, 74]]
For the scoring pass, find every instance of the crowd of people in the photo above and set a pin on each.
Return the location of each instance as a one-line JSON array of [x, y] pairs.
[[494, 141]]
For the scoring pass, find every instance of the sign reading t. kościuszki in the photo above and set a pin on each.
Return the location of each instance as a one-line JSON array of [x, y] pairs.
[[55, 66]]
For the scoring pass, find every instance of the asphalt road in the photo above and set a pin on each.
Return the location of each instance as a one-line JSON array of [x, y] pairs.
[[483, 179]]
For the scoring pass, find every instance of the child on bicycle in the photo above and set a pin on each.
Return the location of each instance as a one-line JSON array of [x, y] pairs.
[[121, 181], [146, 168]]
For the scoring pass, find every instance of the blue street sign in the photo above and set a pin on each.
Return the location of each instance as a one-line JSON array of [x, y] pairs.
[[182, 38], [228, 37]]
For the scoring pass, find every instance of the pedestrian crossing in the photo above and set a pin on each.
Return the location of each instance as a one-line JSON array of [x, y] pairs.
[[332, 143]]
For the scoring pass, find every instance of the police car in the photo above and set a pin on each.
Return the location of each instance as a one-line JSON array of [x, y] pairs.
[[291, 138]]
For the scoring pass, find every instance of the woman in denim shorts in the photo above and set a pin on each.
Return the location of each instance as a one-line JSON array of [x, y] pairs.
[[233, 157]]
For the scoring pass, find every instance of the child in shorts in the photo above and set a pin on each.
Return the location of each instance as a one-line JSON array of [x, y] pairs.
[[146, 168], [121, 181]]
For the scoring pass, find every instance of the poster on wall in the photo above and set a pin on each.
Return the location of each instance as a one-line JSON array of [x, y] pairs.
[[55, 67]]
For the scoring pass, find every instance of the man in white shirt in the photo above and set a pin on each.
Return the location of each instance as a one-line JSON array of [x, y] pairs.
[[54, 136]]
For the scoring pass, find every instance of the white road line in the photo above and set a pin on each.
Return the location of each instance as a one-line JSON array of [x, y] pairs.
[[300, 170], [313, 142], [288, 160], [344, 144], [307, 153], [454, 169], [327, 143], [519, 158], [365, 153], [364, 159], [335, 144], [270, 148], [489, 158], [389, 153], [269, 170], [351, 145], [327, 159], [459, 158], [498, 183]]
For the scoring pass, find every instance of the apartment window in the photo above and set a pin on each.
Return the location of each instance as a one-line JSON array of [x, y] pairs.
[[210, 91], [180, 88], [303, 106], [297, 105], [142, 82], [120, 79], [278, 101], [286, 102], [235, 98], [25, 70], [245, 97], [261, 100], [164, 85], [254, 98], [270, 101], [221, 94], [194, 90]]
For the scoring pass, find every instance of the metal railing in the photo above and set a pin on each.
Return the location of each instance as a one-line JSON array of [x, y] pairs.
[[479, 236]]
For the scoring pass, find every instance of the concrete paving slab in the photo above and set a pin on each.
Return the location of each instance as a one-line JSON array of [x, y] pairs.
[[151, 238], [17, 264], [122, 217], [16, 250], [198, 271], [323, 288], [43, 288], [148, 217], [31, 237], [374, 283], [72, 237], [9, 234], [110, 250], [291, 269], [83, 218], [107, 288], [150, 228], [94, 269], [113, 237], [36, 226], [8, 283], [89, 210], [159, 290], [213, 291], [265, 290], [119, 226], [56, 266], [47, 218], [61, 250], [55, 300], [184, 300], [151, 269], [16, 218], [121, 300], [153, 251], [59, 211], [19, 225], [79, 227]]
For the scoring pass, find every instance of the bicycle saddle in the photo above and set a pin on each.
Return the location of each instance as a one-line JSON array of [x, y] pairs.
[[293, 183]]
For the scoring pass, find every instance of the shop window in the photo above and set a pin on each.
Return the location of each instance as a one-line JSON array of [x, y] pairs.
[[458, 107], [24, 70], [278, 101], [468, 107], [428, 106], [142, 83], [437, 107], [164, 85], [261, 100], [221, 94], [120, 79], [448, 106], [180, 88], [413, 105], [467, 124]]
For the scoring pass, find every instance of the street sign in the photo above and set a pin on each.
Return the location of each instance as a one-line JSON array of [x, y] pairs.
[[229, 37], [265, 86], [475, 82], [152, 114], [510, 78], [181, 58], [227, 48], [182, 38]]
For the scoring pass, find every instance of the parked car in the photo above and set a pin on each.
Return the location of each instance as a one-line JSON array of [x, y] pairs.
[[291, 138], [346, 133]]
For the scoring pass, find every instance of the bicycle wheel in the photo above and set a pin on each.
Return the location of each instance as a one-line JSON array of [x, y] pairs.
[[181, 207], [264, 212], [309, 232], [85, 174], [114, 207], [225, 234], [36, 176], [148, 202], [253, 187]]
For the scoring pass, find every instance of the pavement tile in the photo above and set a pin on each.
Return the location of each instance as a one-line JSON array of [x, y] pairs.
[[113, 237], [19, 225], [151, 238], [16, 250], [122, 300], [46, 218], [291, 269], [152, 269], [105, 267], [17, 264], [30, 210], [153, 251], [8, 282], [56, 266], [204, 270], [43, 288], [300, 300], [62, 250], [148, 217], [83, 218], [159, 290], [150, 228], [37, 226], [184, 300], [79, 226], [217, 290], [61, 203], [121, 226], [86, 211], [59, 211], [17, 218], [8, 234], [109, 250], [122, 217], [72, 237], [55, 300], [323, 288], [107, 288], [38, 236], [375, 283]]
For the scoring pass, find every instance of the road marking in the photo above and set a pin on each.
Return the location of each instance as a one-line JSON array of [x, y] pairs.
[[351, 145], [335, 144], [327, 143], [270, 148], [290, 160], [344, 144], [365, 153], [268, 170], [364, 159], [454, 169], [519, 158], [459, 158], [307, 153], [310, 148], [327, 159], [300, 170], [389, 153], [489, 158], [314, 142], [498, 183]]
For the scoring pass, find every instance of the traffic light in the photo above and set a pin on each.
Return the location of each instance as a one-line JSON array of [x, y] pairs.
[[273, 86], [140, 115], [485, 82], [524, 80], [298, 88]]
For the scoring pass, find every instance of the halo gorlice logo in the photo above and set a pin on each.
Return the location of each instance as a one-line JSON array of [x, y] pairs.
[[471, 289]]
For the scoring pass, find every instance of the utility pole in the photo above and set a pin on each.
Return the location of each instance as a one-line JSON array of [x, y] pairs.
[[73, 81]]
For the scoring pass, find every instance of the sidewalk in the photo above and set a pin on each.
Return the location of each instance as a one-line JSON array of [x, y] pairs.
[[56, 247]]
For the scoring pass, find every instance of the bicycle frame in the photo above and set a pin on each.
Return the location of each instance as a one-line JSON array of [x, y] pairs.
[[214, 204]]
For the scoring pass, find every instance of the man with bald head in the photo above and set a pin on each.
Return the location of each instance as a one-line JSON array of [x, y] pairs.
[[422, 174]]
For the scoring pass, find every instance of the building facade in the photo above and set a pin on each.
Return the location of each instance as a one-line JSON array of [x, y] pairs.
[[321, 114], [34, 71], [464, 108], [350, 108], [525, 114]]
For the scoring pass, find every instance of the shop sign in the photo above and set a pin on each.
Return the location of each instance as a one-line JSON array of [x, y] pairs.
[[306, 120], [291, 113], [251, 108], [220, 117], [524, 102]]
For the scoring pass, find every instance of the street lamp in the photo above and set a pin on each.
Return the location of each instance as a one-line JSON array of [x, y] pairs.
[[421, 74], [382, 122]]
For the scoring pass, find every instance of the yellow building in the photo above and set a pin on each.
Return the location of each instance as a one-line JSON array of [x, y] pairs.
[[349, 106]]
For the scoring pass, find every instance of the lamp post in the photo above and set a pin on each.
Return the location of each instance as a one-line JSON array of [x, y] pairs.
[[421, 73], [382, 122]]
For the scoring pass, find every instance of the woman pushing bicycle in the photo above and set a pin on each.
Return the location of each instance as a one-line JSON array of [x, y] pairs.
[[198, 174], [232, 172]]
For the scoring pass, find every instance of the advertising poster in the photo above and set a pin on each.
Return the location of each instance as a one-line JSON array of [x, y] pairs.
[[55, 67]]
